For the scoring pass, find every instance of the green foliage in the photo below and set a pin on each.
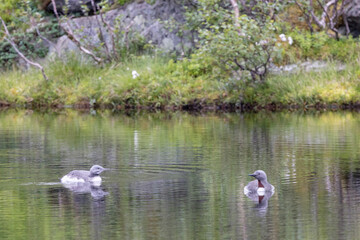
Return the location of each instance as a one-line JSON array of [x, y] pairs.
[[345, 50], [128, 41], [317, 46], [28, 43], [206, 14], [7, 54], [123, 2], [24, 35], [9, 9], [310, 44], [244, 45], [13, 10]]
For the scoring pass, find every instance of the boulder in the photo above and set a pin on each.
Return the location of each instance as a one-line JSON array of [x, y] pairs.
[[146, 19]]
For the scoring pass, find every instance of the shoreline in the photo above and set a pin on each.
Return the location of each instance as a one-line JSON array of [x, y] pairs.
[[169, 86], [203, 107]]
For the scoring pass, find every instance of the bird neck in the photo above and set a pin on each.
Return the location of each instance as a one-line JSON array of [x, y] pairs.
[[93, 174], [260, 185]]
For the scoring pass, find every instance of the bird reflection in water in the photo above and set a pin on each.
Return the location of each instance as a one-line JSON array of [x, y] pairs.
[[97, 193], [260, 200]]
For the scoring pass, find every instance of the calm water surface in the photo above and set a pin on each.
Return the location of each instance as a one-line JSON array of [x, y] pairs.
[[180, 176]]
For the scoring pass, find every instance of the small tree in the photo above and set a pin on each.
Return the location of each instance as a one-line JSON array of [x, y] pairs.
[[243, 43], [249, 51]]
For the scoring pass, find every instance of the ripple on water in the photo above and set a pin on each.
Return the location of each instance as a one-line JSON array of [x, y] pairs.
[[41, 183], [169, 168]]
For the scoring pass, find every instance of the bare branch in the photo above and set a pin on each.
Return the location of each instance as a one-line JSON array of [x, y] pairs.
[[111, 30], [239, 65], [236, 14], [72, 37], [34, 24], [9, 39], [308, 17], [325, 13], [126, 32], [346, 24], [331, 12], [55, 10], [325, 9], [332, 20], [100, 29]]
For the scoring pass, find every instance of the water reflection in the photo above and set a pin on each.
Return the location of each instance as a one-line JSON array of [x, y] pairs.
[[81, 207], [86, 187], [177, 175], [260, 200]]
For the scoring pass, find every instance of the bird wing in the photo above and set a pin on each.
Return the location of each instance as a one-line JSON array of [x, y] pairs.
[[252, 186], [79, 174]]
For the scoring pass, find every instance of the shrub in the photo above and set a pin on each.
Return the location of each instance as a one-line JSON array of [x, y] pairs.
[[318, 46], [245, 45]]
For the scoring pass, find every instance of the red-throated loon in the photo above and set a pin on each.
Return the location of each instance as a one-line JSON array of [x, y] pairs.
[[82, 176], [260, 185]]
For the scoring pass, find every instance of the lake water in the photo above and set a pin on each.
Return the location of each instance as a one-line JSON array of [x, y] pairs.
[[180, 175]]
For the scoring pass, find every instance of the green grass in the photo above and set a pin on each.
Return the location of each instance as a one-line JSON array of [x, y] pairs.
[[164, 83], [161, 83], [330, 86]]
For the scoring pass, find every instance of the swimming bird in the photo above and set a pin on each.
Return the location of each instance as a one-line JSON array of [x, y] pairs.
[[260, 185], [83, 176]]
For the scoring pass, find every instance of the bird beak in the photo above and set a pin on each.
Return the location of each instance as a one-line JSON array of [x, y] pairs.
[[252, 175]]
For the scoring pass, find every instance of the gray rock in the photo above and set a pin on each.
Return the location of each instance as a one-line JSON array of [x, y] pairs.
[[146, 19], [309, 66]]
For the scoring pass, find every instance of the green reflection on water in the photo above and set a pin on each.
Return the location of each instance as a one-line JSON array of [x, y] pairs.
[[180, 175]]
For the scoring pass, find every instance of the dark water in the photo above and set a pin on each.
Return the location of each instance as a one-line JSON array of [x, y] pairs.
[[180, 176]]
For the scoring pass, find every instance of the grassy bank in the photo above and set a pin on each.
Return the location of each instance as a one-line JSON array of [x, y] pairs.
[[165, 84], [328, 88], [160, 83]]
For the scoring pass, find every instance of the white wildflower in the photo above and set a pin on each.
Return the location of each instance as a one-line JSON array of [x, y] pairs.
[[290, 40], [263, 42], [135, 74], [282, 37]]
